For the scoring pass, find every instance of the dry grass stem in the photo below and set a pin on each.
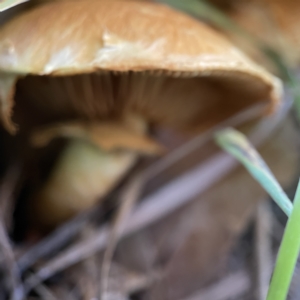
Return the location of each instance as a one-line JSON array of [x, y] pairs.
[[232, 287], [56, 239], [128, 200], [152, 209], [263, 249]]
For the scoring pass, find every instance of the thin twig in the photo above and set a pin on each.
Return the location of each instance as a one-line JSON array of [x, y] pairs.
[[128, 199], [263, 249], [56, 240], [137, 281], [44, 292], [12, 273], [245, 116], [153, 208], [233, 286]]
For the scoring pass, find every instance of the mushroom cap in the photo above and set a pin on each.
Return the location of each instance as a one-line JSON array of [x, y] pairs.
[[85, 36], [80, 37]]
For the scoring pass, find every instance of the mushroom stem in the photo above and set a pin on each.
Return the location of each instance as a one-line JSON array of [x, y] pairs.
[[82, 176]]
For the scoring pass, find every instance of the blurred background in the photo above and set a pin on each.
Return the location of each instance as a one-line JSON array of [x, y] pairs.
[[127, 209]]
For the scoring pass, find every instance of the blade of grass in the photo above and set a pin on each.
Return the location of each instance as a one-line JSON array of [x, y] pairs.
[[6, 4], [287, 256], [238, 146]]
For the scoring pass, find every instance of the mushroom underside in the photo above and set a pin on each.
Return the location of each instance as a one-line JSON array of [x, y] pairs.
[[185, 103]]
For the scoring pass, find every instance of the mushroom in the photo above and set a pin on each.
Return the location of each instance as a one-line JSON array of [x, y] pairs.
[[79, 67]]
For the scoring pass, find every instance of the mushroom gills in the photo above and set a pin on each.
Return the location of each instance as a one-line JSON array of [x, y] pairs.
[[182, 100]]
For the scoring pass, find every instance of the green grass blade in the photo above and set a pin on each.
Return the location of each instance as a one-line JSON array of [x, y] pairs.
[[6, 4], [287, 256], [237, 145]]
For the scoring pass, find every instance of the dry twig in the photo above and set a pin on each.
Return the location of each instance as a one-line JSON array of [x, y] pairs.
[[153, 208], [12, 278], [56, 240], [233, 286], [128, 200], [263, 249]]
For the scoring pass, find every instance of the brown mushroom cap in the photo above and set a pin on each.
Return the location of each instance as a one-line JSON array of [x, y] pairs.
[[205, 78]]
